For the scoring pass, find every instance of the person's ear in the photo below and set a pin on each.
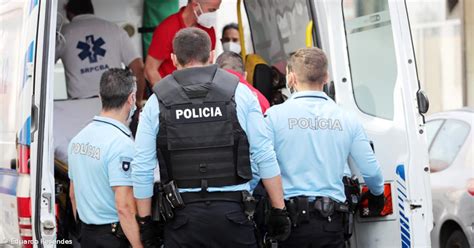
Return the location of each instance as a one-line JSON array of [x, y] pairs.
[[326, 78], [291, 79], [295, 82], [212, 54], [132, 98], [175, 60], [245, 74]]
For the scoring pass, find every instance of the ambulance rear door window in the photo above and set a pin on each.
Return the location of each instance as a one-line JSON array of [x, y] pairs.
[[372, 57], [278, 28]]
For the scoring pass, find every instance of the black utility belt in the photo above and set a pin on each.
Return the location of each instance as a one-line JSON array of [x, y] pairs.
[[300, 207], [191, 197], [167, 199]]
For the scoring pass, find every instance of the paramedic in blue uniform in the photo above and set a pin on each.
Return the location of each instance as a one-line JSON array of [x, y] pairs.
[[204, 127], [99, 159], [313, 139]]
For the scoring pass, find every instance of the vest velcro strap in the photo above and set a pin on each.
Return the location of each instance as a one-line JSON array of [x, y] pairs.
[[204, 185]]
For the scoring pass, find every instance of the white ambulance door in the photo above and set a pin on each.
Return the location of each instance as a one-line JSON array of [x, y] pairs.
[[373, 68], [11, 122], [41, 161]]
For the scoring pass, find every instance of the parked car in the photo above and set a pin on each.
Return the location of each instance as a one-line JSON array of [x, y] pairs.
[[450, 138]]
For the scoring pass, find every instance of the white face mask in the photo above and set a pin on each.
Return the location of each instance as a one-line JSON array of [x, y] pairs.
[[290, 89], [206, 20], [132, 110], [231, 47]]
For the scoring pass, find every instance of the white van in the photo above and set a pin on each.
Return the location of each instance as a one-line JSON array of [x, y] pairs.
[[373, 73]]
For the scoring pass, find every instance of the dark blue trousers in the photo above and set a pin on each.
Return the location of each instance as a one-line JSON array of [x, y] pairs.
[[317, 233], [213, 224]]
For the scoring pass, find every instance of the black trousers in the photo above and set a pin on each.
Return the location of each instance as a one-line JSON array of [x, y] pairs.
[[317, 233], [100, 236], [213, 224]]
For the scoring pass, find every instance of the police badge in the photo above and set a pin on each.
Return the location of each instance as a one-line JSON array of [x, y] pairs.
[[126, 164]]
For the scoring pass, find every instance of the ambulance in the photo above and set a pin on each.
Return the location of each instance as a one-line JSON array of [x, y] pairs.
[[373, 74]]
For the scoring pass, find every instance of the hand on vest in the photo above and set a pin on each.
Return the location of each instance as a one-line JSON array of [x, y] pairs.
[[278, 224], [148, 234], [376, 203]]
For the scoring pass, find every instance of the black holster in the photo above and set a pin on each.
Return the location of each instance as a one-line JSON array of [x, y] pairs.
[[348, 225], [165, 199], [117, 230], [298, 210], [156, 215], [352, 191], [250, 204], [250, 207]]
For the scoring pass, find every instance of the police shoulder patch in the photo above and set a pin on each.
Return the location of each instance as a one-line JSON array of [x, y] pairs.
[[126, 163]]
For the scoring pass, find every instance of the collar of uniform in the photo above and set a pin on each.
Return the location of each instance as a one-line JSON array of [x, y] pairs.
[[310, 94], [115, 123], [193, 75], [82, 17]]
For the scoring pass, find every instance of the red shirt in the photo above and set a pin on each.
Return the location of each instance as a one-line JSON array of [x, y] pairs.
[[262, 100], [161, 45]]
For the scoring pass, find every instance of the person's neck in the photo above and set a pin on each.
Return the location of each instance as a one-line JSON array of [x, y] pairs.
[[116, 114], [189, 18], [193, 65], [309, 87]]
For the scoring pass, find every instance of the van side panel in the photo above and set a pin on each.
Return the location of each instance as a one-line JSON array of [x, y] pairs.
[[42, 162]]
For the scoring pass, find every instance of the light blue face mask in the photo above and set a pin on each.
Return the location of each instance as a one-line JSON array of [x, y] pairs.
[[133, 108]]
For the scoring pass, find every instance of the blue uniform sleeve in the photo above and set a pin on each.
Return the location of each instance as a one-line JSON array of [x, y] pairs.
[[69, 159], [365, 160], [145, 160], [119, 163], [251, 119], [255, 176], [269, 125]]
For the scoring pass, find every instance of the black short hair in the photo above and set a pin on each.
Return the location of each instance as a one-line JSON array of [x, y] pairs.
[[232, 61], [79, 7], [232, 25], [192, 45], [115, 86]]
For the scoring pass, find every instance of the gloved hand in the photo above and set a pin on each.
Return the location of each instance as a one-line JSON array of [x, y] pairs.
[[278, 224], [352, 192], [147, 233], [376, 203]]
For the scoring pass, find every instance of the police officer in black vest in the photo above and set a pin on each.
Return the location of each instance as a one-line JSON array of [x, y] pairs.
[[202, 128]]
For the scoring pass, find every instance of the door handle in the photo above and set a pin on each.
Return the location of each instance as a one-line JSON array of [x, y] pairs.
[[423, 102], [34, 119]]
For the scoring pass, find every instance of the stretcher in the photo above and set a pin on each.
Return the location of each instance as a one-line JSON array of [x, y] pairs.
[[70, 116]]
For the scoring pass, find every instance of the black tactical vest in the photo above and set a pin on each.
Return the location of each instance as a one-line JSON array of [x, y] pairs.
[[200, 142]]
